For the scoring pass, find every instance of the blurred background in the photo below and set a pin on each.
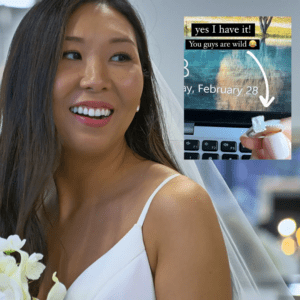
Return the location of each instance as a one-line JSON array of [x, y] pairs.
[[269, 194], [267, 191]]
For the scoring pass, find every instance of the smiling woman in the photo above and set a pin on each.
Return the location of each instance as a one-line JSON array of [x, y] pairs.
[[90, 125], [88, 176], [100, 65]]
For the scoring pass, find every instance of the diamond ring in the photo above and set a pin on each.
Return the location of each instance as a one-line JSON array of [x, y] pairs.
[[261, 128]]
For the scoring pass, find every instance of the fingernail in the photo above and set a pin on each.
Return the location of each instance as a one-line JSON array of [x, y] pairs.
[[277, 145]]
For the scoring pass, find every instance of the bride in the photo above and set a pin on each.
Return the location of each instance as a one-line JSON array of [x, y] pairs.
[[83, 154]]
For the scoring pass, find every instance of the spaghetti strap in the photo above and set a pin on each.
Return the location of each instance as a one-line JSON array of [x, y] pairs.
[[146, 207]]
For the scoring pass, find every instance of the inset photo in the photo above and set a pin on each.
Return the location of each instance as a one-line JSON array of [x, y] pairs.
[[237, 87]]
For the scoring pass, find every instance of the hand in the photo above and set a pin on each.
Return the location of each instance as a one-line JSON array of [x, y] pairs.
[[276, 146]]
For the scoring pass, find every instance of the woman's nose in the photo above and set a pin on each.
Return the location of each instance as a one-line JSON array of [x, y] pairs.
[[95, 76]]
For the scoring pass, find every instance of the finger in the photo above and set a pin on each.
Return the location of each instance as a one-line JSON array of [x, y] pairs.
[[254, 144], [277, 146], [259, 154], [251, 143], [287, 123]]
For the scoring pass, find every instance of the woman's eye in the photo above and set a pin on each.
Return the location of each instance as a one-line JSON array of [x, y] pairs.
[[121, 57], [72, 55]]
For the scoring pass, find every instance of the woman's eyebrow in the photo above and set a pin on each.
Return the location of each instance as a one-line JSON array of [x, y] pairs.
[[74, 39], [122, 40], [112, 41]]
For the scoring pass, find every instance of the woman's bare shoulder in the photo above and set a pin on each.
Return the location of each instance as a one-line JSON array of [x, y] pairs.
[[178, 201], [181, 191], [191, 256]]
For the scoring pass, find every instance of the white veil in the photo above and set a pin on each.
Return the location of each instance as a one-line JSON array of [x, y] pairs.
[[253, 274]]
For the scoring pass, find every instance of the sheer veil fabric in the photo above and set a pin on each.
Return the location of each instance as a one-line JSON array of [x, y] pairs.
[[253, 274]]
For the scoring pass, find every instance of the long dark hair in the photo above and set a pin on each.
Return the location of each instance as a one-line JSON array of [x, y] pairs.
[[29, 148]]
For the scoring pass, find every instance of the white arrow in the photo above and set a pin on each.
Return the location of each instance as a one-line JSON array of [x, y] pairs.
[[265, 101]]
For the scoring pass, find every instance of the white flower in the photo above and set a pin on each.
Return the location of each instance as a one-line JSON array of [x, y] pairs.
[[4, 245], [58, 291], [9, 289], [14, 278], [12, 243], [34, 269], [8, 264], [20, 275]]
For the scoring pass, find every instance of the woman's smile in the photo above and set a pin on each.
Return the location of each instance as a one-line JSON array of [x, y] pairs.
[[99, 81], [92, 117], [93, 113]]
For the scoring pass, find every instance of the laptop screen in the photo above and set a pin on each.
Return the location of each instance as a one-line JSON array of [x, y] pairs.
[[230, 78]]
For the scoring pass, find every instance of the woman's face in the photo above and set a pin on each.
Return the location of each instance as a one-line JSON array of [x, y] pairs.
[[100, 64]]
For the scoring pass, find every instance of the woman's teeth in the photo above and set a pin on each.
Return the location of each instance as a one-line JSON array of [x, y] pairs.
[[91, 112]]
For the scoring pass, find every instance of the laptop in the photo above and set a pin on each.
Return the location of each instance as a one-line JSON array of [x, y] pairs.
[[235, 68]]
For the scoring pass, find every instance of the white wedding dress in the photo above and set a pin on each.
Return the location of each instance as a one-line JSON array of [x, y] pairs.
[[122, 273]]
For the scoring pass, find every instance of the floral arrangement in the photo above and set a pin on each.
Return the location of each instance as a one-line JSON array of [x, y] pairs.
[[14, 276]]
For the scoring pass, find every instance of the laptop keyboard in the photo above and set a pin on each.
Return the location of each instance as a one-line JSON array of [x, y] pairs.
[[224, 144]]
